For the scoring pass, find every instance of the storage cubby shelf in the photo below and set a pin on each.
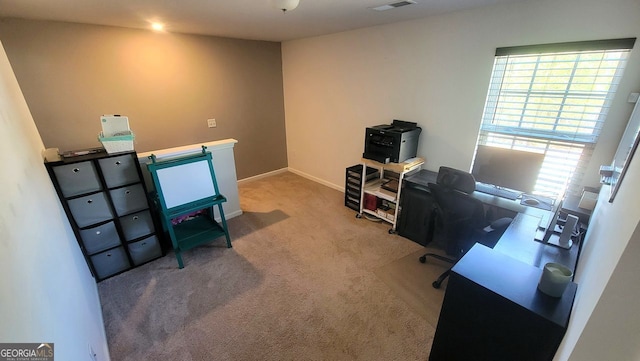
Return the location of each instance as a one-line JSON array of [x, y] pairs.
[[105, 199]]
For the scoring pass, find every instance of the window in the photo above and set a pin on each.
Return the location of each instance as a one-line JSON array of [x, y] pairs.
[[553, 99]]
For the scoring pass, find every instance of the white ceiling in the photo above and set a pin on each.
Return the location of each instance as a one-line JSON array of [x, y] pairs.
[[245, 19]]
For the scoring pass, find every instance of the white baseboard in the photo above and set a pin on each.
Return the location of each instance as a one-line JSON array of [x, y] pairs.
[[228, 216], [233, 214], [316, 179], [263, 175], [294, 171]]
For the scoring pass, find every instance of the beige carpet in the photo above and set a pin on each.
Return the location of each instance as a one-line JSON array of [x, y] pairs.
[[305, 280], [411, 281]]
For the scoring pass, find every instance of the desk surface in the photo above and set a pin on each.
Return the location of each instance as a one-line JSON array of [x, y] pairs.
[[516, 281], [518, 240], [424, 177]]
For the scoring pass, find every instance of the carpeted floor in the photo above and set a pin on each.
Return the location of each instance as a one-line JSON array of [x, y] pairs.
[[305, 280]]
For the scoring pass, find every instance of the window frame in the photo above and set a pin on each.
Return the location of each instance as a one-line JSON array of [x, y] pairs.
[[513, 137]]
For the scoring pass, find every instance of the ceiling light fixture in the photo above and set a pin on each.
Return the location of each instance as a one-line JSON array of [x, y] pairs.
[[285, 5]]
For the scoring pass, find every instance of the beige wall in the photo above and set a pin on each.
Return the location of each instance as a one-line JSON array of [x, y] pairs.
[[605, 323], [167, 84], [433, 71], [48, 293], [605, 318]]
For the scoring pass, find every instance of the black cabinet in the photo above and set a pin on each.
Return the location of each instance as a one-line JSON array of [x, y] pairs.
[[416, 220], [416, 215], [492, 310], [105, 200]]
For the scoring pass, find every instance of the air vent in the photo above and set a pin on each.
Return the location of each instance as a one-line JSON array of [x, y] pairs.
[[394, 5]]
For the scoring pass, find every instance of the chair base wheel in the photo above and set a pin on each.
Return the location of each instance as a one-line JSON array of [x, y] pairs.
[[422, 259], [436, 284]]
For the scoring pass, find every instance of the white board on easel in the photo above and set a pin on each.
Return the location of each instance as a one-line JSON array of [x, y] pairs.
[[186, 183]]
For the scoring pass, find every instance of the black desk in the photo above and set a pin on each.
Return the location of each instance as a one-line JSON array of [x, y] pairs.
[[493, 310], [503, 207], [570, 206], [518, 242], [415, 208]]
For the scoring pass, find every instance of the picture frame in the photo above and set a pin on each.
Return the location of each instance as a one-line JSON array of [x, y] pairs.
[[626, 149]]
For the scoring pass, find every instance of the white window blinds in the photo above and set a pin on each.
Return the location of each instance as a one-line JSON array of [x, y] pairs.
[[553, 99]]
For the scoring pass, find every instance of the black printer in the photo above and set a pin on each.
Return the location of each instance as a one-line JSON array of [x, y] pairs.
[[395, 142]]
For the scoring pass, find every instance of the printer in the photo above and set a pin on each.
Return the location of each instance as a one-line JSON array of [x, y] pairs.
[[395, 142]]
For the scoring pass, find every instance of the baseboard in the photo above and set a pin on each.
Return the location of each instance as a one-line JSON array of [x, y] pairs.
[[294, 171], [316, 179], [233, 214], [263, 175]]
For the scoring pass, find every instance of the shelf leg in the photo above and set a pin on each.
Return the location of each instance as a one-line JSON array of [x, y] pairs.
[[179, 257], [224, 225], [174, 243]]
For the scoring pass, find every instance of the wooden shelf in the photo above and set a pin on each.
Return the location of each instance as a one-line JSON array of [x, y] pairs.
[[407, 166]]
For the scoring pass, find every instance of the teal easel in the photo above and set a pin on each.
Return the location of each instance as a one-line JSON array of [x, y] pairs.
[[185, 185]]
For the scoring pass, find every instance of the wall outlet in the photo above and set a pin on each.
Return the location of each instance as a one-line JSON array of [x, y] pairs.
[[211, 123]]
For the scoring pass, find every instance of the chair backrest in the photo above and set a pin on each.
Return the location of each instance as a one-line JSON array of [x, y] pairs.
[[461, 216], [456, 179]]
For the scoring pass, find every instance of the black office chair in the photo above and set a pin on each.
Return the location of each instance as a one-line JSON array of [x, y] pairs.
[[460, 219]]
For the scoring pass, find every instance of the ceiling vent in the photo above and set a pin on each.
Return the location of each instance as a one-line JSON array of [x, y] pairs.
[[394, 5]]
